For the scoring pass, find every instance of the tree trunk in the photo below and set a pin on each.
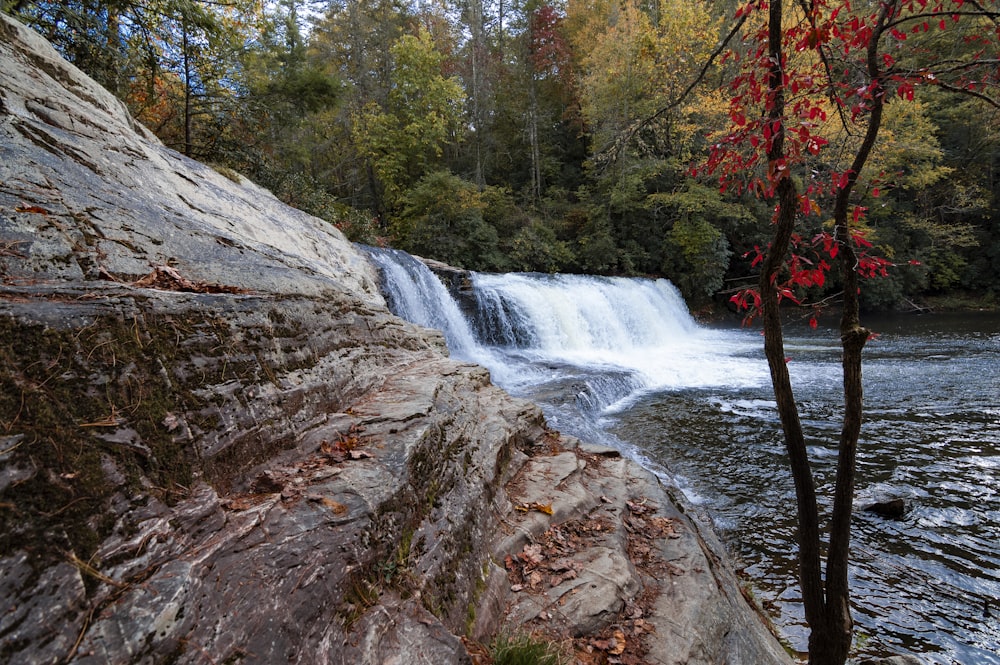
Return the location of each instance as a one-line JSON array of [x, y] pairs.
[[810, 576], [827, 603], [536, 154], [853, 337], [187, 87]]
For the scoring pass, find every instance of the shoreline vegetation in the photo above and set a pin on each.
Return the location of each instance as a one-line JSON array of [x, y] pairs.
[[542, 136]]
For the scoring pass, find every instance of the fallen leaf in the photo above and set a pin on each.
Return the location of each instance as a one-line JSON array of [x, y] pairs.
[[639, 507], [617, 645], [35, 209], [543, 507], [532, 554], [560, 565], [337, 507], [171, 422], [559, 579]]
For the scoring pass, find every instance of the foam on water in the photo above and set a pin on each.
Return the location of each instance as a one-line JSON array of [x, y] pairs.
[[641, 326], [617, 338]]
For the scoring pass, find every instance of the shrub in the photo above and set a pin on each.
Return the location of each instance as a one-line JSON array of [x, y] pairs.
[[524, 649]]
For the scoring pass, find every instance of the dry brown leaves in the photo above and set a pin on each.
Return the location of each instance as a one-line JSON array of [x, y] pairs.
[[346, 447], [622, 642], [547, 562], [644, 528], [168, 279], [540, 507]]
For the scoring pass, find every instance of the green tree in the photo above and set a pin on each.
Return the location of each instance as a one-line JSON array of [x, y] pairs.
[[697, 250], [442, 217], [405, 137]]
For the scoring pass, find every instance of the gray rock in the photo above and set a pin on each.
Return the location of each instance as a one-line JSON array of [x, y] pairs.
[[602, 506], [891, 508], [218, 445]]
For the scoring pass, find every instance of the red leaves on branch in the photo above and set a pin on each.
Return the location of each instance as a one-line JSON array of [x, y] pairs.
[[747, 299], [827, 72], [807, 267]]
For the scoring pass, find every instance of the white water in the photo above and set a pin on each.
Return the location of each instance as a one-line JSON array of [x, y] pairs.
[[637, 327], [622, 337], [417, 295], [600, 342]]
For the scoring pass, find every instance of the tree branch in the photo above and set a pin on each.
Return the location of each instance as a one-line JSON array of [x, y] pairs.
[[623, 139]]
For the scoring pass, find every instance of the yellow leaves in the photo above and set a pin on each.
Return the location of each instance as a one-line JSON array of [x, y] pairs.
[[540, 507], [335, 506], [636, 58]]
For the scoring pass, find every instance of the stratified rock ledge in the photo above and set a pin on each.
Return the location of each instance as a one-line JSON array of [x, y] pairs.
[[217, 445]]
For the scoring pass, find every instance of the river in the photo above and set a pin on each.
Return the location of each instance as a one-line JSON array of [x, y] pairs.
[[928, 583], [620, 361]]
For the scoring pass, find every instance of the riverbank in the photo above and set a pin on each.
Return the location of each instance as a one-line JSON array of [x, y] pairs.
[[217, 443]]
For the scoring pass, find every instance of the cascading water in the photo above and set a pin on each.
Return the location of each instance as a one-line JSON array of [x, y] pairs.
[[606, 357], [580, 345], [639, 327], [414, 293]]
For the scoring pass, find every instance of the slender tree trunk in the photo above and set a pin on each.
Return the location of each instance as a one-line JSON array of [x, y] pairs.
[[536, 153], [827, 603], [187, 87], [810, 575], [478, 48], [112, 36], [853, 337]]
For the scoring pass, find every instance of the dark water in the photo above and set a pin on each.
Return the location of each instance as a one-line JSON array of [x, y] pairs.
[[928, 583]]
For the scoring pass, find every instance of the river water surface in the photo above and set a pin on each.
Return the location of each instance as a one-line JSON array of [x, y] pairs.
[[620, 361], [928, 583]]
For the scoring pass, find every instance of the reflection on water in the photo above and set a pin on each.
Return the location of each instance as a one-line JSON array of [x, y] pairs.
[[928, 583]]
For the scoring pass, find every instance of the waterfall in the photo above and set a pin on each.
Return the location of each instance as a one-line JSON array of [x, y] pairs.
[[580, 345], [577, 313], [414, 293]]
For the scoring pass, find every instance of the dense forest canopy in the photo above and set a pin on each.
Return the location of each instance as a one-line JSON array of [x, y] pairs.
[[531, 135]]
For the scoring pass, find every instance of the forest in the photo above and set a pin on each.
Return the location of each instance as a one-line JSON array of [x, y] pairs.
[[534, 135]]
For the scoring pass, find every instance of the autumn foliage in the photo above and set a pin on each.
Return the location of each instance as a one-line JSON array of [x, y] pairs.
[[841, 60], [808, 104]]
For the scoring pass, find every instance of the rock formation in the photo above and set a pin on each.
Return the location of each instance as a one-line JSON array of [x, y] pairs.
[[218, 446]]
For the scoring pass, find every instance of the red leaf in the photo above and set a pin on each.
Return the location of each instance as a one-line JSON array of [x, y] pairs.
[[859, 239], [35, 209]]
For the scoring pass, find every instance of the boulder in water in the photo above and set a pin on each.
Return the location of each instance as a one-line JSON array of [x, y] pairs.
[[891, 508]]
